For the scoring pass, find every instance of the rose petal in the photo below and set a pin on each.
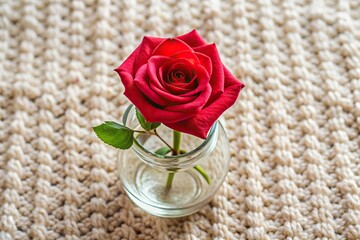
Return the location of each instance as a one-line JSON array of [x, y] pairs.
[[159, 89], [141, 81], [195, 105], [171, 98], [170, 47], [163, 85], [155, 65], [194, 86], [193, 39], [200, 124], [182, 65], [188, 55], [140, 55], [178, 77], [182, 88], [128, 64], [205, 61], [217, 76], [158, 84], [230, 79], [150, 112]]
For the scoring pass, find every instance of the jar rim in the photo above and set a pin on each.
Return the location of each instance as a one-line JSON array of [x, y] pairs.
[[212, 130]]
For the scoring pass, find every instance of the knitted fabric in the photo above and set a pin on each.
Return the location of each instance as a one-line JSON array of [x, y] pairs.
[[294, 132]]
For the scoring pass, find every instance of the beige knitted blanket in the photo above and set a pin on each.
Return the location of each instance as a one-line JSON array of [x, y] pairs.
[[294, 132]]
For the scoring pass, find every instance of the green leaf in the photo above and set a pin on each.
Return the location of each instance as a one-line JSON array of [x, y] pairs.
[[115, 134], [145, 124], [126, 113], [163, 151]]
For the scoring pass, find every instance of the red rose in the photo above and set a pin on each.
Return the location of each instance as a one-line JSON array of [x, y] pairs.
[[180, 82]]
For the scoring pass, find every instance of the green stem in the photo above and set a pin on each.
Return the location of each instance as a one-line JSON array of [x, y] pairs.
[[172, 149], [203, 173], [169, 181], [156, 134], [176, 151], [176, 142]]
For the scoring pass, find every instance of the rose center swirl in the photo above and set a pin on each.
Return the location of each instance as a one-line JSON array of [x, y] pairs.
[[177, 76]]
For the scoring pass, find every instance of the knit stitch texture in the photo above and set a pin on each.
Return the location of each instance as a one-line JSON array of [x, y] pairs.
[[294, 132]]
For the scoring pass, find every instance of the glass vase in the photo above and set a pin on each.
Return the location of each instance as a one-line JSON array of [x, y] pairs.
[[197, 173]]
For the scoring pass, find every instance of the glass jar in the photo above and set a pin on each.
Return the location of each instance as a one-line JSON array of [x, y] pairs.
[[144, 174]]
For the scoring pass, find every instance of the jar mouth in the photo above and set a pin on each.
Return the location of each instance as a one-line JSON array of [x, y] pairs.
[[155, 158]]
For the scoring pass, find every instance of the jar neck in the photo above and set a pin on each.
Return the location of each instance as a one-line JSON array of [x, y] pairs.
[[178, 161]]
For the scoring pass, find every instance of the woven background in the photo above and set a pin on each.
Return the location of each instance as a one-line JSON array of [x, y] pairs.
[[294, 132]]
